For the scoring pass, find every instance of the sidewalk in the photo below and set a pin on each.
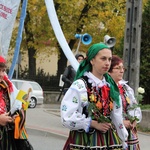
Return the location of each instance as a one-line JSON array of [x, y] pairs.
[[44, 121], [46, 118]]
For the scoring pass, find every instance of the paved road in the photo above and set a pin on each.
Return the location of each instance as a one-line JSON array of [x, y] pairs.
[[46, 132]]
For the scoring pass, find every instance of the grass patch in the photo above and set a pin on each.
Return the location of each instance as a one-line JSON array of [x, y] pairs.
[[145, 107], [140, 128], [146, 130]]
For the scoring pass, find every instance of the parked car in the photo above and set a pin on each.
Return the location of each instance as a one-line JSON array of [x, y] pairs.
[[37, 91]]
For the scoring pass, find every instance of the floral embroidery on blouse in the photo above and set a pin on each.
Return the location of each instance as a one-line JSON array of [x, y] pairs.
[[120, 126], [79, 85], [75, 100], [64, 108], [73, 124]]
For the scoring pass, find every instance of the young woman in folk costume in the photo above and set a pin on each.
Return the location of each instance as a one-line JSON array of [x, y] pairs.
[[131, 112], [91, 108], [12, 115]]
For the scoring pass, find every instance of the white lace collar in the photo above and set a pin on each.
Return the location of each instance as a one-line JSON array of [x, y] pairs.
[[94, 80], [123, 82]]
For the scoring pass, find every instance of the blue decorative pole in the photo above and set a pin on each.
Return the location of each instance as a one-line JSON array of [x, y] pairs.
[[19, 38]]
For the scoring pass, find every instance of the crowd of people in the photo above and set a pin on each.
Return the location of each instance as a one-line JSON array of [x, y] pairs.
[[98, 106]]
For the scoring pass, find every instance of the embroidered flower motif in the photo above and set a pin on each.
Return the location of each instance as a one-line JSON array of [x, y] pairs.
[[111, 105], [64, 108], [75, 100], [127, 99], [92, 98], [78, 84], [99, 105], [96, 114], [99, 108], [120, 126], [73, 124], [105, 90], [117, 107], [2, 99]]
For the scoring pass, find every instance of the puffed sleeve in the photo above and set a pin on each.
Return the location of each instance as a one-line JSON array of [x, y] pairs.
[[72, 106], [133, 111], [117, 119]]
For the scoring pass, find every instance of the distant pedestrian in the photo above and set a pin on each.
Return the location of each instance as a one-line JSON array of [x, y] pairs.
[[69, 73]]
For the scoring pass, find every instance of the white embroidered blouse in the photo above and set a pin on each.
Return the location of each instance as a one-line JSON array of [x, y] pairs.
[[132, 100], [76, 98]]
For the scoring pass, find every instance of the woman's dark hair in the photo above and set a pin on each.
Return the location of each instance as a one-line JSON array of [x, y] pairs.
[[3, 65], [79, 55], [116, 60]]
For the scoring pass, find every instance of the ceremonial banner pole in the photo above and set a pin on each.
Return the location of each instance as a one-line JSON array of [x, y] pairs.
[[19, 38], [59, 34]]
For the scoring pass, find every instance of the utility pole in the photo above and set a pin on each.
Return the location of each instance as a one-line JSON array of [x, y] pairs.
[[132, 42]]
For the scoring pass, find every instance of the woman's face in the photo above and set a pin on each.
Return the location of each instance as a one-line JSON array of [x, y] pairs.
[[117, 72], [2, 73], [101, 63], [80, 58]]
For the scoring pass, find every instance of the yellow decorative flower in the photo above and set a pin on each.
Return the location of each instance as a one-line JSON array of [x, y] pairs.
[[128, 100], [92, 98], [111, 105]]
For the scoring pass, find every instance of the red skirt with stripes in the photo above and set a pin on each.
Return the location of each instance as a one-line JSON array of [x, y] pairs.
[[94, 140]]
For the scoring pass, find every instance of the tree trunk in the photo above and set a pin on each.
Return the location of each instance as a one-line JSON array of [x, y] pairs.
[[32, 63], [62, 63], [31, 50]]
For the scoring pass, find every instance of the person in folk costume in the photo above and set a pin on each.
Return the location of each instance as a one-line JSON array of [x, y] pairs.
[[131, 112], [12, 116], [91, 107]]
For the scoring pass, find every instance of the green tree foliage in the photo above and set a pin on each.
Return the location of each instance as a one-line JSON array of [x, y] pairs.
[[145, 52], [96, 17]]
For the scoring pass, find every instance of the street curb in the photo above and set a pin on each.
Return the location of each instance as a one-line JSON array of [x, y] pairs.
[[143, 133], [46, 132]]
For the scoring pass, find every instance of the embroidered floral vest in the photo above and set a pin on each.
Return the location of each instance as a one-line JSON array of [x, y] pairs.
[[100, 104]]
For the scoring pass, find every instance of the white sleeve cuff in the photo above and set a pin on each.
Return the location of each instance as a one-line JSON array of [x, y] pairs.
[[87, 124]]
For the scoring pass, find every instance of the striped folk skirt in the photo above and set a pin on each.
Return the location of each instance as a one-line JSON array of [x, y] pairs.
[[133, 142], [94, 140]]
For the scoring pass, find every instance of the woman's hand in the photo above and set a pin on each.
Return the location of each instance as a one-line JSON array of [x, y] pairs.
[[5, 118], [127, 124], [103, 127], [134, 124]]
